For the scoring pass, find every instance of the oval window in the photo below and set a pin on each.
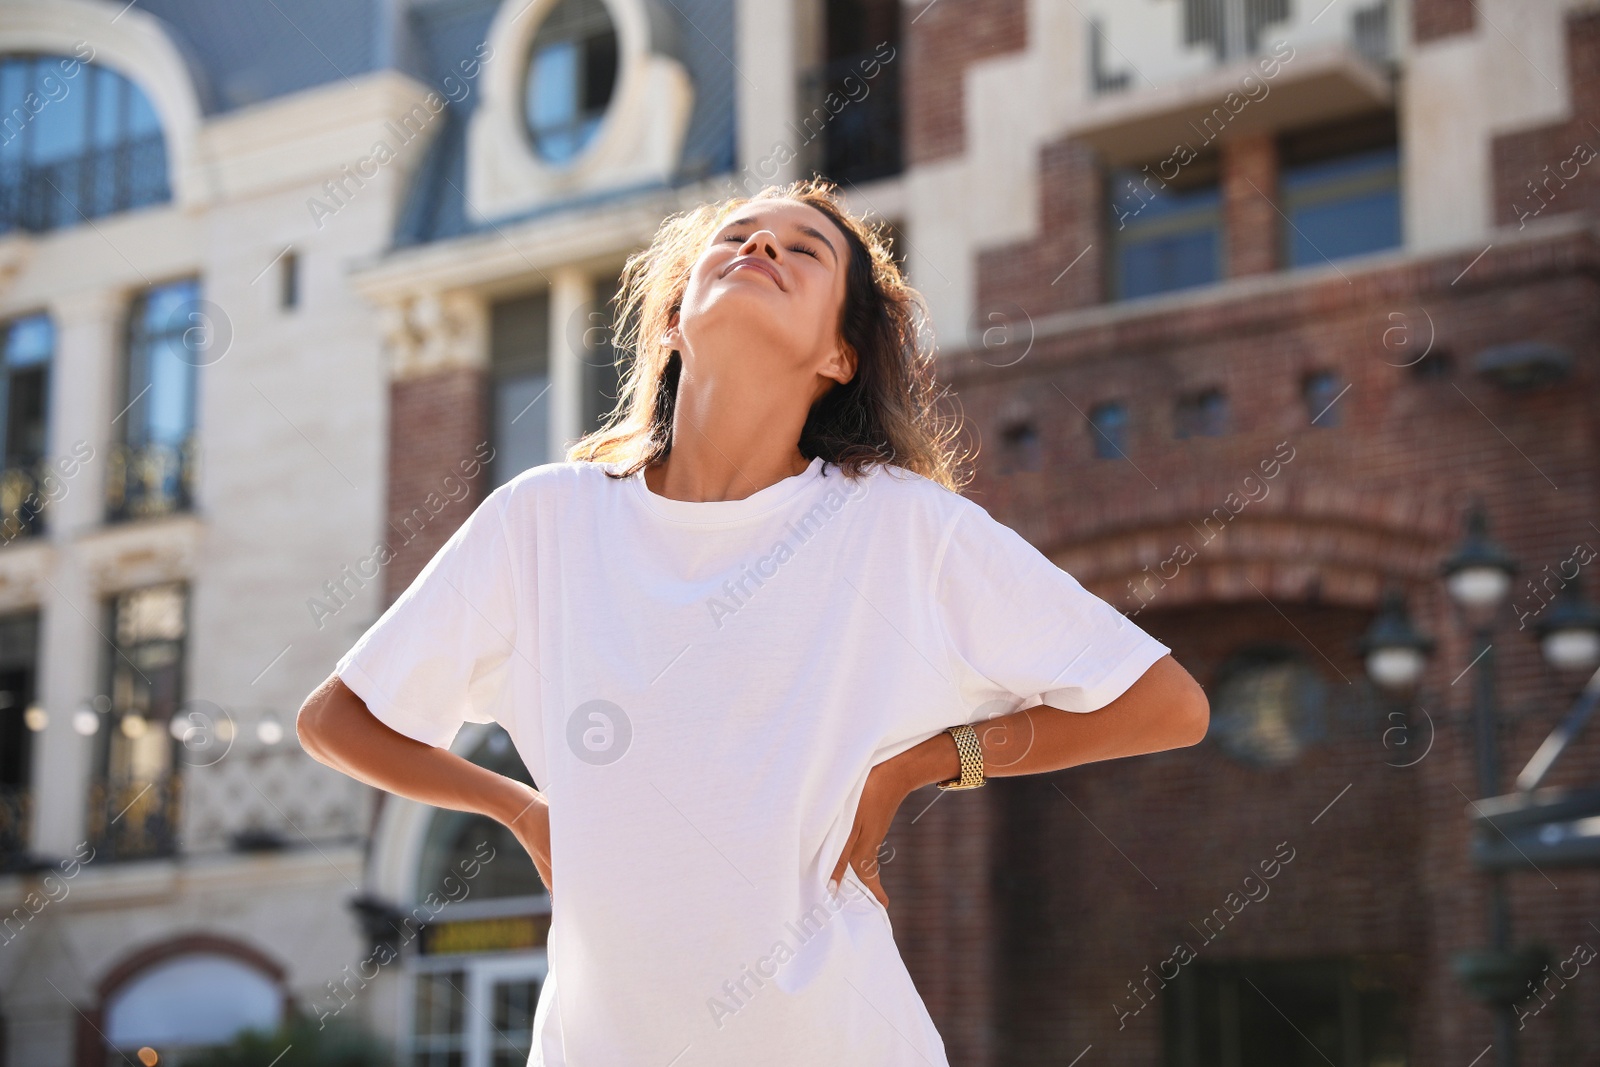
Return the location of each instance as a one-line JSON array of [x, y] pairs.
[[1268, 707], [572, 73]]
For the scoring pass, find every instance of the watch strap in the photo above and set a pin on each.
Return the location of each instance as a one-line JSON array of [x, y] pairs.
[[971, 754]]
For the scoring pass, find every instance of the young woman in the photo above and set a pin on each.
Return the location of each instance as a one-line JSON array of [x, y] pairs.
[[729, 636]]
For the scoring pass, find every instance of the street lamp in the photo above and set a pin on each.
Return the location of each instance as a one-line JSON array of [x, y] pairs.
[[1394, 651], [1478, 577], [1569, 636]]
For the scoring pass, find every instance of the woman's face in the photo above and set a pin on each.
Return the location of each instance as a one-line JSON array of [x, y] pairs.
[[769, 286]]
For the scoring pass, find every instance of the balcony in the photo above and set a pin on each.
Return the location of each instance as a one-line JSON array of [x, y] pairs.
[[37, 197], [22, 501], [132, 818], [1169, 80], [1141, 44], [856, 138], [150, 481]]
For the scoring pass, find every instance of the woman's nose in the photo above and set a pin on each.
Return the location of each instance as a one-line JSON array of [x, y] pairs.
[[762, 242]]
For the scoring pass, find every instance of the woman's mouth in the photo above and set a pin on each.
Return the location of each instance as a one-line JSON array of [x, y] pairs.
[[755, 264]]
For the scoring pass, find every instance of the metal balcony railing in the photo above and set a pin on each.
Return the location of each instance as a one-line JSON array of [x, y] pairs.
[[150, 481], [135, 818], [22, 502], [860, 138], [44, 196], [1134, 44]]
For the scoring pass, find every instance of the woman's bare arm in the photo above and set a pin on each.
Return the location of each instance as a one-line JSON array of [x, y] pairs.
[[336, 728], [1165, 708]]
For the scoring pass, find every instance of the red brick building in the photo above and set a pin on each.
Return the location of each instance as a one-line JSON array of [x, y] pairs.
[[1245, 309]]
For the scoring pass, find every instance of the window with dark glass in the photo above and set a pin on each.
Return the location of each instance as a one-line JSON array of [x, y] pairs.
[[1164, 227], [1339, 187], [151, 471], [24, 405], [1020, 447], [1108, 424], [20, 719], [851, 124], [571, 75], [456, 836], [1286, 1013], [519, 385], [289, 280], [133, 809], [1268, 705], [439, 1019], [77, 141], [1322, 390], [1201, 414]]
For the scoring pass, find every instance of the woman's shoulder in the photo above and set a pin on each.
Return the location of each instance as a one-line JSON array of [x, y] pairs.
[[905, 489], [547, 480]]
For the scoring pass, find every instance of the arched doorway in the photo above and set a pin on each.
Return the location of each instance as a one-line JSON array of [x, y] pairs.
[[475, 980]]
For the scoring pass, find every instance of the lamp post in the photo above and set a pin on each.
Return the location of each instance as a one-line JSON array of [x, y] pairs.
[[1395, 652], [1569, 635], [1478, 578]]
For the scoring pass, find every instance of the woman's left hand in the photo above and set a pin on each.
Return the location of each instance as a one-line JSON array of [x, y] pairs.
[[887, 787]]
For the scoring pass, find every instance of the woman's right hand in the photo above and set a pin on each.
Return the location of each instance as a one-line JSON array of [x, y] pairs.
[[530, 822]]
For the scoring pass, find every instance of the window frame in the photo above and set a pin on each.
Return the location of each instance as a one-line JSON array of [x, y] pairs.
[[583, 125]]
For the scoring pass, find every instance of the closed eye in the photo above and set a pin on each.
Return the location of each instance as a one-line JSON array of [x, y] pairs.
[[793, 248]]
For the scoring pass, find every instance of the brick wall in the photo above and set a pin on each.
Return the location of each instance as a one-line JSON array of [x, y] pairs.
[[1555, 170], [1071, 209], [1098, 870], [943, 38], [1433, 19], [1249, 218], [437, 423]]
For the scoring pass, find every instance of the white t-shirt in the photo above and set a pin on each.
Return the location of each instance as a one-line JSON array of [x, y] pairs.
[[700, 689]]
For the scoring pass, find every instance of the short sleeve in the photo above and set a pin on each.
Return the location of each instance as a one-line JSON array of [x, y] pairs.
[[440, 655], [1018, 626]]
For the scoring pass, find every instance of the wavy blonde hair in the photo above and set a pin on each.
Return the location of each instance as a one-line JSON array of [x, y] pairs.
[[887, 413]]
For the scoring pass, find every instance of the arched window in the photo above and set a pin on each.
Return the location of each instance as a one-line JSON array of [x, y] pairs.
[[1268, 706], [458, 836], [572, 73], [189, 1001], [77, 141]]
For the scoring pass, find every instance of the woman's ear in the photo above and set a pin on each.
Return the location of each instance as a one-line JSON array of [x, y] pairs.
[[842, 367], [672, 336]]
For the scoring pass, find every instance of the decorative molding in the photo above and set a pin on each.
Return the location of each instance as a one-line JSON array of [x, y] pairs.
[[639, 140], [431, 331], [24, 567], [133, 554]]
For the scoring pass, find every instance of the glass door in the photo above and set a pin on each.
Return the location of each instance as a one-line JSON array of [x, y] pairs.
[[475, 1011]]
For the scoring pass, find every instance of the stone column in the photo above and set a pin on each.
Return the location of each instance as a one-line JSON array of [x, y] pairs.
[[571, 292], [769, 43], [83, 408]]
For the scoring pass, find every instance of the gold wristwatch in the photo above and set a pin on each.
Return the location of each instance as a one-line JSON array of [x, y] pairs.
[[971, 759]]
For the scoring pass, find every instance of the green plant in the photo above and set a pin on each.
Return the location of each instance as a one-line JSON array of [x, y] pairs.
[[337, 1044]]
